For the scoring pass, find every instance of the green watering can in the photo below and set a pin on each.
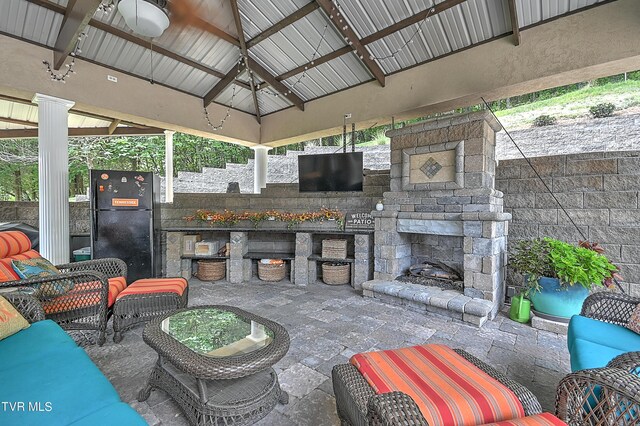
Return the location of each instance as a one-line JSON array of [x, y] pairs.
[[520, 309]]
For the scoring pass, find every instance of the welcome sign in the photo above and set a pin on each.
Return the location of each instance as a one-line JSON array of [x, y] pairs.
[[359, 220]]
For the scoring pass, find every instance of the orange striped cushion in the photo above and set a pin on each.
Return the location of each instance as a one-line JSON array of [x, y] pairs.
[[116, 285], [155, 285], [72, 300], [13, 242], [543, 419], [6, 270], [449, 390]]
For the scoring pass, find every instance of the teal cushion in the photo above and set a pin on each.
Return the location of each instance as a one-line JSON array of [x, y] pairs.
[[606, 334], [586, 354], [67, 379], [114, 414], [33, 344]]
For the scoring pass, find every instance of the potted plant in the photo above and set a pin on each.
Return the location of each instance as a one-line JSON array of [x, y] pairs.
[[559, 276]]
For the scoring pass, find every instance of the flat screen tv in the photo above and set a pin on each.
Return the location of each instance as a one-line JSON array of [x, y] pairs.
[[330, 172]]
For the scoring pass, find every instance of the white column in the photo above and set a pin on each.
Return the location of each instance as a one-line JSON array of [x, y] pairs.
[[168, 165], [260, 167], [53, 176]]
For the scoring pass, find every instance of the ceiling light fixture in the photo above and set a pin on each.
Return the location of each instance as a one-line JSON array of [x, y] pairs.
[[148, 18]]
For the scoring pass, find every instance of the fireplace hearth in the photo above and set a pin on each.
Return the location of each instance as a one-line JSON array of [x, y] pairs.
[[443, 206]]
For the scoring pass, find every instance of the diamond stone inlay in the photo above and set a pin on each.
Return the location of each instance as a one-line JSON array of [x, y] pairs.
[[431, 167]]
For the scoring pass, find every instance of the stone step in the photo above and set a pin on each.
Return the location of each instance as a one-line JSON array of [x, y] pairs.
[[423, 298]]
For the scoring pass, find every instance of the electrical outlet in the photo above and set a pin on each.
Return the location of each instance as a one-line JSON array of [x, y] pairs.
[[112, 78]]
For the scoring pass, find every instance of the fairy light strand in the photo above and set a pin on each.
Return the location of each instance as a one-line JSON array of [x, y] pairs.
[[233, 97], [106, 8], [61, 77], [419, 30], [306, 68]]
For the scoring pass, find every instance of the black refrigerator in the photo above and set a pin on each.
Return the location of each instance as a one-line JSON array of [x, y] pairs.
[[125, 220]]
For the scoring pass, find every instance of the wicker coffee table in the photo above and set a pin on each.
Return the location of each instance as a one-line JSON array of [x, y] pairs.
[[216, 363]]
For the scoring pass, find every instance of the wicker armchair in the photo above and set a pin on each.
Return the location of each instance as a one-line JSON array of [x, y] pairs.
[[602, 396], [615, 308], [358, 405], [607, 395], [77, 299]]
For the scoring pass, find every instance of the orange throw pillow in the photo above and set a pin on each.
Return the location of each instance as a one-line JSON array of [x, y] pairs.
[[10, 320]]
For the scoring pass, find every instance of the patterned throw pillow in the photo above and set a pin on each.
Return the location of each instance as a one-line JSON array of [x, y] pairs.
[[41, 268], [10, 320], [634, 321], [34, 268]]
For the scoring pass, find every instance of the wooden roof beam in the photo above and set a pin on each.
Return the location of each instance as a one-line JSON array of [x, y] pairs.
[[223, 84], [19, 122], [418, 17], [113, 126], [515, 26], [138, 41], [279, 26], [245, 54], [275, 84], [347, 32], [411, 20], [76, 17], [82, 131]]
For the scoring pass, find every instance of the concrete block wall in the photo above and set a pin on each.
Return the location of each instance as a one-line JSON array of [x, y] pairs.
[[284, 197], [599, 192]]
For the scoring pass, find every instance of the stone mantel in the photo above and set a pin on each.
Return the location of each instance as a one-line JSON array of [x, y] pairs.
[[446, 123]]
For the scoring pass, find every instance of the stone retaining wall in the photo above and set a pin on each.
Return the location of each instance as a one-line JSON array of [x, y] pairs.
[[600, 193]]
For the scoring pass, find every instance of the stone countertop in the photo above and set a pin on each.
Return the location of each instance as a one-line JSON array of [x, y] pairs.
[[285, 230]]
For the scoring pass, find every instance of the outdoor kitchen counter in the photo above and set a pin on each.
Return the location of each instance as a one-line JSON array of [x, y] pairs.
[[260, 229], [302, 244]]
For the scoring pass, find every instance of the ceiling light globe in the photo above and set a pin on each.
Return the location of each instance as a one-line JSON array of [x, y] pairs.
[[144, 17]]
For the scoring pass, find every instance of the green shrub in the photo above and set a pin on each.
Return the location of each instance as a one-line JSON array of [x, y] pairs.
[[544, 120], [602, 110]]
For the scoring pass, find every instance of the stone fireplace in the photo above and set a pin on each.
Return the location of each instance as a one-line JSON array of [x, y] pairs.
[[443, 206]]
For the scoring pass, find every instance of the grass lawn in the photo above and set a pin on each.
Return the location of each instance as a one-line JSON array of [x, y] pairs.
[[572, 105]]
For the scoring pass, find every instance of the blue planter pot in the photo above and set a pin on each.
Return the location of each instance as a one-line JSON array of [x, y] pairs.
[[557, 301]]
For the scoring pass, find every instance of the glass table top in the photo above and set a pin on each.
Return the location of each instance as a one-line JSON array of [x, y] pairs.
[[217, 333]]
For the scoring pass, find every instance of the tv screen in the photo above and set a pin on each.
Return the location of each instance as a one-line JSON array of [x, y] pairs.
[[330, 172]]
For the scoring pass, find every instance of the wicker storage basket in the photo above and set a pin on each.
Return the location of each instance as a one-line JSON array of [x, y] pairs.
[[212, 270], [270, 272], [335, 273], [334, 249]]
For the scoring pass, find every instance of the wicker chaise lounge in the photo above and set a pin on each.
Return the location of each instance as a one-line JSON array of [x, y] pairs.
[[79, 297]]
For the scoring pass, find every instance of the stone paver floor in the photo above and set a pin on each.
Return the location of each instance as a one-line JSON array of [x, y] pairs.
[[327, 325]]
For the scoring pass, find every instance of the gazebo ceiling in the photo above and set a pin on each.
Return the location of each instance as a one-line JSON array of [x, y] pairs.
[[284, 41]]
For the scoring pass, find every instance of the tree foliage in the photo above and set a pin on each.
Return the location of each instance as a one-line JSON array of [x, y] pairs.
[[19, 159]]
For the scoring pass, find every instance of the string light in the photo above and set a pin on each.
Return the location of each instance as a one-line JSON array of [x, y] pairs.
[[61, 77], [106, 8], [304, 74], [233, 96], [419, 30]]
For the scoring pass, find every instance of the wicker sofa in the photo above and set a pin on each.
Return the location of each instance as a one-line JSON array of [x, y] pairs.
[[93, 284], [48, 380]]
